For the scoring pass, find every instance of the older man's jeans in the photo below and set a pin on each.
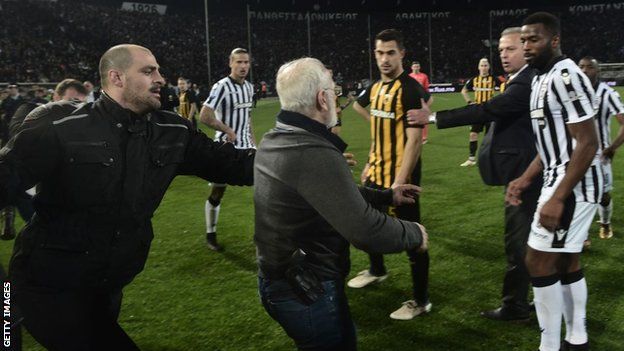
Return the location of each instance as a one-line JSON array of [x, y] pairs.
[[324, 325]]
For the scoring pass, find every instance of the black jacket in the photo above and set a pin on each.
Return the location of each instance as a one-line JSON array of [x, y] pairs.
[[513, 142], [102, 171], [22, 112]]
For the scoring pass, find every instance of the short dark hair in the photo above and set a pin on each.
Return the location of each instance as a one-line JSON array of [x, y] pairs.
[[390, 35], [415, 63], [69, 83], [550, 22]]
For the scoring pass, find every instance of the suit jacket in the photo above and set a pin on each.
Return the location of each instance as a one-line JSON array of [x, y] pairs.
[[512, 146]]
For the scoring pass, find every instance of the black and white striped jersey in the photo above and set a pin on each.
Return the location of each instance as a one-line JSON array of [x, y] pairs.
[[232, 103], [608, 104], [563, 95]]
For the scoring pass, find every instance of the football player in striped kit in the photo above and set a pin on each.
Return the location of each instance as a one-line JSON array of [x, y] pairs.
[[562, 116], [608, 104], [228, 111]]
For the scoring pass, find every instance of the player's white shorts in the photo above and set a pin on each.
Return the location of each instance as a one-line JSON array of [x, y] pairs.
[[608, 176], [574, 225]]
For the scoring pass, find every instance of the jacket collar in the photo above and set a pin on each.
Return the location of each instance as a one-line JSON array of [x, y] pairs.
[[118, 113], [300, 121]]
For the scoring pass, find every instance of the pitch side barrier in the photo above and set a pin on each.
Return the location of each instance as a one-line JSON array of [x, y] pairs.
[[444, 88]]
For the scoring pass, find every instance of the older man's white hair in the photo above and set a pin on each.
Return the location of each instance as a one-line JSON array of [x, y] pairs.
[[298, 83]]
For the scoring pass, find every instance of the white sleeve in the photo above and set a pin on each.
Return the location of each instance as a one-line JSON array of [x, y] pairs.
[[216, 96], [575, 94], [615, 103]]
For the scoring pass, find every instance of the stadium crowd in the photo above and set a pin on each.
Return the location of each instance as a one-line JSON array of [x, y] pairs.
[[59, 39]]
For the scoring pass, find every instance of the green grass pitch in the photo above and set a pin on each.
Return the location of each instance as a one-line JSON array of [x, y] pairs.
[[190, 298]]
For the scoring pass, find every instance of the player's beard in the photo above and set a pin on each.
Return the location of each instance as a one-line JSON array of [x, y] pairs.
[[146, 101]]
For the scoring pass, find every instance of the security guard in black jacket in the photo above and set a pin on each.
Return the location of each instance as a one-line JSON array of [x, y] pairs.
[[102, 168], [507, 150]]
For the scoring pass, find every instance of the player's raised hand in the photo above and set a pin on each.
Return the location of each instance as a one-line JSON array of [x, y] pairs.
[[419, 116], [404, 194]]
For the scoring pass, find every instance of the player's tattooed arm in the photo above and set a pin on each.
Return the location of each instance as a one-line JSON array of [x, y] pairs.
[[207, 116]]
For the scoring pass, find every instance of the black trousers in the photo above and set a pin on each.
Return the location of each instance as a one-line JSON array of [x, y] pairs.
[[74, 320], [419, 261], [518, 221]]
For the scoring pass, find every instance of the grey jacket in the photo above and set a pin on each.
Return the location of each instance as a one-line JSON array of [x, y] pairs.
[[305, 198]]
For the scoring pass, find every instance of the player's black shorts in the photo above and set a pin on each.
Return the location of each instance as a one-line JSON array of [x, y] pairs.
[[479, 127]]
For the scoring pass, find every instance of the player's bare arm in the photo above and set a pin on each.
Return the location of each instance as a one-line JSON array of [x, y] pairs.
[[207, 116], [466, 95], [364, 174], [580, 160], [361, 111], [609, 152], [518, 185], [411, 155], [420, 116]]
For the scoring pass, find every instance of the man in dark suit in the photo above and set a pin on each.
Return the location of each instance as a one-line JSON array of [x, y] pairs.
[[508, 148]]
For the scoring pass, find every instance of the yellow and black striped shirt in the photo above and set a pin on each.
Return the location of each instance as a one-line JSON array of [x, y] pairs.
[[389, 101], [483, 88]]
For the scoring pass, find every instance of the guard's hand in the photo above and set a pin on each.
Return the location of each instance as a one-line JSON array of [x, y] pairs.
[[425, 238], [350, 159], [514, 191], [404, 194], [550, 214], [419, 116]]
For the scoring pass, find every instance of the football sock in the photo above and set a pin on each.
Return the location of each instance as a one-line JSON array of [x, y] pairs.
[[574, 287], [605, 213], [473, 148], [419, 265], [212, 215], [548, 307]]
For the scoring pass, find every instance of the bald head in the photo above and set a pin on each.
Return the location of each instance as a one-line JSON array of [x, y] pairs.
[[119, 57]]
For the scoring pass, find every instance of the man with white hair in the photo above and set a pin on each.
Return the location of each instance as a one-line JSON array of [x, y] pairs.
[[302, 186]]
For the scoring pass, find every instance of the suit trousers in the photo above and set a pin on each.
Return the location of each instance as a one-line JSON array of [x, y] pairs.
[[517, 228]]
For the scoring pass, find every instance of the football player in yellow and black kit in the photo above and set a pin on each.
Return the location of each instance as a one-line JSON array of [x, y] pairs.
[[188, 101], [483, 87], [394, 158]]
